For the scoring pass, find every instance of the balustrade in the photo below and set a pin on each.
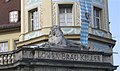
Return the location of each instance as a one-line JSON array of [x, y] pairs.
[[55, 54], [6, 58]]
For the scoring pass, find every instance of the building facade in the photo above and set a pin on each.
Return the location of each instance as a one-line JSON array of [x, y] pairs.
[[9, 24], [37, 16], [82, 21]]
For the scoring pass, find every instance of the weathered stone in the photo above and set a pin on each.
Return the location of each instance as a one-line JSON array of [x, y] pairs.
[[59, 54], [57, 59], [56, 39]]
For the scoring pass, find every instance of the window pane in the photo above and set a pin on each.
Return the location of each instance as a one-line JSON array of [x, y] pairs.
[[69, 15], [3, 46], [13, 16], [97, 22], [11, 20], [97, 13], [35, 17], [69, 10], [34, 23], [62, 10], [62, 16], [69, 21], [97, 17]]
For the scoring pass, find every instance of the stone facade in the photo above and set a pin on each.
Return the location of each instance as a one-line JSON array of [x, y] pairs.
[[56, 56], [56, 59], [40, 51]]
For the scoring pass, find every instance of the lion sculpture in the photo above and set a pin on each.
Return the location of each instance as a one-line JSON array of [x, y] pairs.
[[56, 38]]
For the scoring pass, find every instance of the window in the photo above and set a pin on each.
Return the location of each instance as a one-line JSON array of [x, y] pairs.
[[65, 14], [97, 17], [3, 46], [13, 16], [33, 18]]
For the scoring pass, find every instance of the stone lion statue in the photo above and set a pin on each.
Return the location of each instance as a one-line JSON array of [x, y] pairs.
[[56, 38]]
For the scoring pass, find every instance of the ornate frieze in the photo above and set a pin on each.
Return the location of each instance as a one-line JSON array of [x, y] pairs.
[[69, 56], [31, 35], [95, 46], [56, 59], [99, 32]]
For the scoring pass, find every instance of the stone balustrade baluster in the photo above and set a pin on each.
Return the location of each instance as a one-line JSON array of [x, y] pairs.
[[5, 59], [9, 58], [2, 59]]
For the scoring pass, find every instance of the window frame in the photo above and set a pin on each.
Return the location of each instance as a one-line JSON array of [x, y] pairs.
[[13, 16], [73, 12], [67, 10], [95, 17], [31, 19]]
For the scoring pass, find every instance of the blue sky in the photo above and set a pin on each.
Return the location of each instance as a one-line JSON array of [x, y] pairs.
[[114, 18]]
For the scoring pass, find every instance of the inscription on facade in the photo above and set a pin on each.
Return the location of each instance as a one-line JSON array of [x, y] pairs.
[[69, 56]]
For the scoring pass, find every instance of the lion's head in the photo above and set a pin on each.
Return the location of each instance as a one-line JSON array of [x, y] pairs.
[[55, 31]]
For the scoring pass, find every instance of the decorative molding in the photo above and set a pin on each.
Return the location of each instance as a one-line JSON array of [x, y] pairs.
[[94, 46], [32, 35], [54, 13], [69, 56], [77, 7], [41, 13]]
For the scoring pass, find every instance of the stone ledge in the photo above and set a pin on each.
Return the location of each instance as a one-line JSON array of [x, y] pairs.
[[58, 63], [37, 57]]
